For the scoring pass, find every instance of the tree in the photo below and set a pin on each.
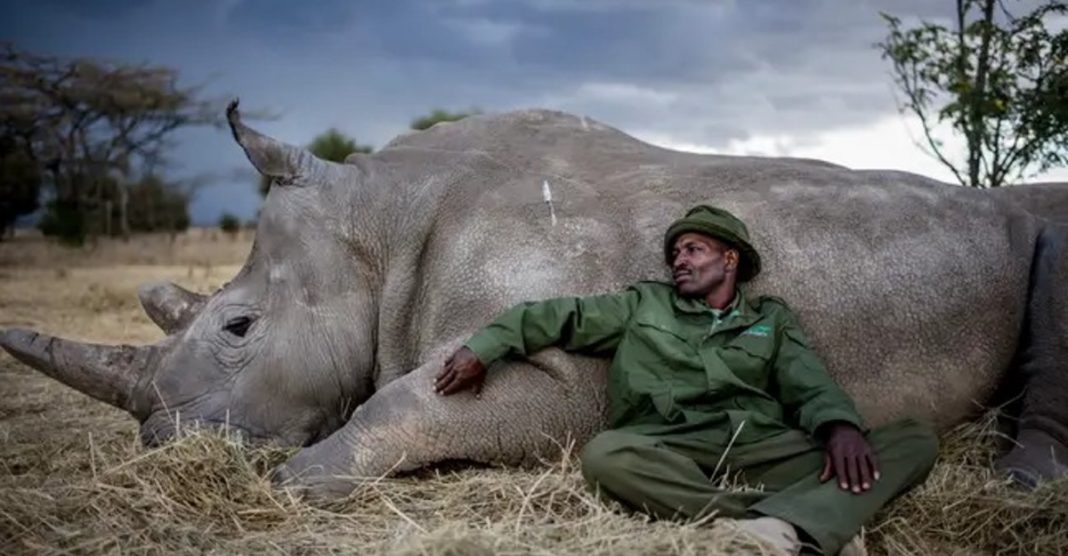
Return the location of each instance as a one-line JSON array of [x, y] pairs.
[[331, 145], [230, 224], [438, 115], [20, 184], [155, 205], [89, 125], [334, 146], [999, 80]]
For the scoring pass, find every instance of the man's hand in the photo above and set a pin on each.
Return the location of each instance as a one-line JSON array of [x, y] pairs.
[[462, 370], [849, 457]]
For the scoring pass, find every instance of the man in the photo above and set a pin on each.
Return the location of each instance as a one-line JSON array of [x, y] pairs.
[[704, 381]]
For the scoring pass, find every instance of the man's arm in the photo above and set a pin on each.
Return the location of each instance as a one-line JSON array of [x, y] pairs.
[[823, 409], [590, 324], [805, 387]]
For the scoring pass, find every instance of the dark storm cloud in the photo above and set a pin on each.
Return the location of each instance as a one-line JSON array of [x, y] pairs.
[[97, 8], [699, 72]]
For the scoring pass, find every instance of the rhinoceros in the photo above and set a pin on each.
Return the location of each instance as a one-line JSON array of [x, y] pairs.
[[364, 276]]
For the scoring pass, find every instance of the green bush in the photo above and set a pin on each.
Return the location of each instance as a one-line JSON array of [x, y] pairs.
[[229, 223], [65, 221], [154, 205]]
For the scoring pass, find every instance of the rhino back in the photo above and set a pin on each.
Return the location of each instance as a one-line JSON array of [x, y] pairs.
[[912, 290], [1047, 200]]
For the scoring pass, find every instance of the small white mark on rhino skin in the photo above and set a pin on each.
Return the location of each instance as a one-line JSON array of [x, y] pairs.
[[277, 272], [548, 195]]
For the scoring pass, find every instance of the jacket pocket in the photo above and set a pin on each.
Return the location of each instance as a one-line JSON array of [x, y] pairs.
[[650, 326], [761, 348], [749, 359], [661, 346]]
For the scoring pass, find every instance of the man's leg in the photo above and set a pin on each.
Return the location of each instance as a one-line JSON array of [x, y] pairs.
[[646, 473], [668, 477], [906, 450]]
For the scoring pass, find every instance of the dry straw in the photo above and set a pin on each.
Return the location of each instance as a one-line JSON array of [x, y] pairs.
[[208, 493]]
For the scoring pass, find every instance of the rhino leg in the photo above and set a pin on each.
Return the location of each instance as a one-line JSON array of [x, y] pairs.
[[1041, 449], [527, 412]]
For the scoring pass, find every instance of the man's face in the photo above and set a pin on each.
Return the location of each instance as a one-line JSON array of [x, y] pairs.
[[699, 264]]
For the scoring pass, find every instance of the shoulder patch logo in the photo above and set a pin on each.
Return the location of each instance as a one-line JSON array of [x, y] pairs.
[[759, 330]]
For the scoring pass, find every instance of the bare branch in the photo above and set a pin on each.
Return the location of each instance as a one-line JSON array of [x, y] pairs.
[[908, 78]]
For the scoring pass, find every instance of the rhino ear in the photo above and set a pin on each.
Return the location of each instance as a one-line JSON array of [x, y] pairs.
[[169, 306], [271, 157]]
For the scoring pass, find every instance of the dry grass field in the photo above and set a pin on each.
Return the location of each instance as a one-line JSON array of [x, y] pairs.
[[73, 478]]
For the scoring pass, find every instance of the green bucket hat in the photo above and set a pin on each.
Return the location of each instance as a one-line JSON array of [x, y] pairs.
[[719, 224]]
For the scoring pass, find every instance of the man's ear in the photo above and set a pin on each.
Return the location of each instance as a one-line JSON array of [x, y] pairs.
[[732, 257]]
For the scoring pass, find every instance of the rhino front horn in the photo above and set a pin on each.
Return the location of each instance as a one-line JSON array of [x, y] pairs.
[[271, 157], [171, 307], [107, 373]]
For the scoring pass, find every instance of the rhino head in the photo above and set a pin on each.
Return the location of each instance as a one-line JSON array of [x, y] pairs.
[[282, 353]]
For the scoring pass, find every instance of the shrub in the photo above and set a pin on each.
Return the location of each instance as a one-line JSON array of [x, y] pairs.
[[229, 224]]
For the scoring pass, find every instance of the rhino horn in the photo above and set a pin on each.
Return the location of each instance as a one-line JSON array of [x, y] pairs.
[[107, 373], [171, 307], [271, 157]]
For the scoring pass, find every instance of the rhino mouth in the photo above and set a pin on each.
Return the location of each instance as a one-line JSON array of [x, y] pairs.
[[164, 430]]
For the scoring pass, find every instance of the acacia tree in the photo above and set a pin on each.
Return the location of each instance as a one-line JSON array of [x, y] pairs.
[[89, 125], [331, 145], [999, 80], [20, 184]]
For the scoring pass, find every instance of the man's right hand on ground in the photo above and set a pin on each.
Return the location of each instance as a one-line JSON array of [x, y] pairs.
[[462, 370]]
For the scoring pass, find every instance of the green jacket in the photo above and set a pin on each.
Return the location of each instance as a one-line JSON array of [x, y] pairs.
[[680, 364]]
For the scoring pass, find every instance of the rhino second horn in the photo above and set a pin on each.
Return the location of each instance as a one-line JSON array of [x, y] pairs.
[[107, 373], [171, 307], [271, 157]]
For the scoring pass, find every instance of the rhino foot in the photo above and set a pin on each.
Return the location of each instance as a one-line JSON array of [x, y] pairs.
[[311, 484], [1037, 457]]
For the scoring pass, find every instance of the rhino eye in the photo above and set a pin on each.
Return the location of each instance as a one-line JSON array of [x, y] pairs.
[[238, 326]]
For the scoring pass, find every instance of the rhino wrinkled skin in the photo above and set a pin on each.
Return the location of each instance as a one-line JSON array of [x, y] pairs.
[[364, 276]]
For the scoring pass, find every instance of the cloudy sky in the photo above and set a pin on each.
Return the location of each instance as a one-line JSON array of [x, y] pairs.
[[771, 77]]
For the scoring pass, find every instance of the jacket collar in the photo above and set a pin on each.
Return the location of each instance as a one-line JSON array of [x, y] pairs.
[[740, 313]]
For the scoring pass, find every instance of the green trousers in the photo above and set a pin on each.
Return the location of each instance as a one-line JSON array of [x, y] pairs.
[[670, 476]]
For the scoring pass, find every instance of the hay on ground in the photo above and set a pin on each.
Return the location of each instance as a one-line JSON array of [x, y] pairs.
[[208, 493]]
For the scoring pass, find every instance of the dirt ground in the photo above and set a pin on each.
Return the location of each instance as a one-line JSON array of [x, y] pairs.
[[73, 478]]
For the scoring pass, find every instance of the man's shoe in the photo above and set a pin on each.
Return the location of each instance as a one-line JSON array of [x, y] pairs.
[[773, 532]]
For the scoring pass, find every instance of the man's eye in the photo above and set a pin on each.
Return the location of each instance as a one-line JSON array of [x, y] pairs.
[[238, 326]]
